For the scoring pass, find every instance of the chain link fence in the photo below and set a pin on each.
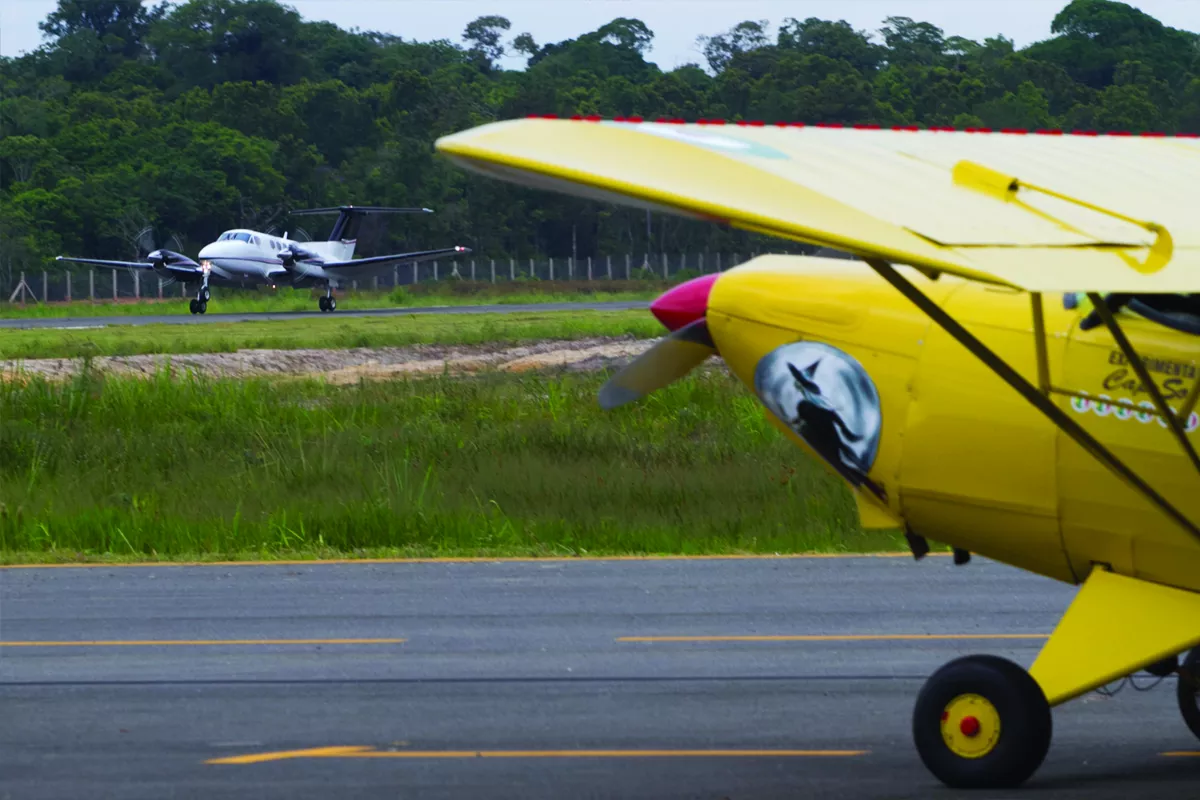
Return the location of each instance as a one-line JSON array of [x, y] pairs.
[[62, 285]]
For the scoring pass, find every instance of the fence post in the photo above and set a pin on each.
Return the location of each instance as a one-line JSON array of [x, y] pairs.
[[182, 289], [664, 258], [375, 282], [414, 272], [608, 266], [137, 286], [493, 268], [45, 286], [589, 268], [92, 285], [435, 272], [571, 268], [115, 275], [627, 260], [160, 288], [68, 286], [395, 275], [512, 269], [472, 270], [551, 268], [532, 274]]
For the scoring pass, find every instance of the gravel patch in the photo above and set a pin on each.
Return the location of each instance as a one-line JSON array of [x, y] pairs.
[[352, 365]]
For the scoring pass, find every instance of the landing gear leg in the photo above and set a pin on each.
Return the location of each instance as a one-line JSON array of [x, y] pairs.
[[328, 303], [982, 722], [200, 304]]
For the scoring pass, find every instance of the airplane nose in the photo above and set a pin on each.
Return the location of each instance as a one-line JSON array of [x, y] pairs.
[[685, 303], [208, 251]]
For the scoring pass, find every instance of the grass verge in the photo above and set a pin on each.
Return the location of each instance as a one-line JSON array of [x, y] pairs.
[[444, 293], [329, 331], [494, 465]]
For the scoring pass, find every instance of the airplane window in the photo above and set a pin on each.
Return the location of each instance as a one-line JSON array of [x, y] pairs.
[[254, 239], [242, 237], [1180, 312]]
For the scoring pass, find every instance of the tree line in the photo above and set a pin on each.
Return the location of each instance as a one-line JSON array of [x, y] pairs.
[[139, 126]]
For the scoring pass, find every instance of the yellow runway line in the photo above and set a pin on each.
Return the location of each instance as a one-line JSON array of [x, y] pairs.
[[464, 560], [865, 637], [1182, 754], [370, 752], [194, 642]]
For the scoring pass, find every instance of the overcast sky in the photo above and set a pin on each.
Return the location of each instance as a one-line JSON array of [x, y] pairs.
[[676, 23]]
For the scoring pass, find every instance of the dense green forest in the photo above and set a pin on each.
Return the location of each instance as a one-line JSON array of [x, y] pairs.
[[210, 114]]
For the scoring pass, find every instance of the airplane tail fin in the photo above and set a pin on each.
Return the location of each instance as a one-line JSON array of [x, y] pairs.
[[345, 228]]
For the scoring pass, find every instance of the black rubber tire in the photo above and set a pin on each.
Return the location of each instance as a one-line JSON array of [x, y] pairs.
[[322, 303], [1187, 691], [333, 304], [205, 295], [1025, 723], [202, 306], [192, 306]]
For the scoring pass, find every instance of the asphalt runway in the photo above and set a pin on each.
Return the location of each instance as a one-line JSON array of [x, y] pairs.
[[345, 311], [530, 679]]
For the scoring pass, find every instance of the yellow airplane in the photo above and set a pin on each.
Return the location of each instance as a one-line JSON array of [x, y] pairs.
[[1008, 367]]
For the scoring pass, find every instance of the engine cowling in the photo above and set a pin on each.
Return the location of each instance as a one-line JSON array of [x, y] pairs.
[[169, 258]]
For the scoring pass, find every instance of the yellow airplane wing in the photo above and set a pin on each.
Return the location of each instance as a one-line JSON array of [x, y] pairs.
[[1044, 213]]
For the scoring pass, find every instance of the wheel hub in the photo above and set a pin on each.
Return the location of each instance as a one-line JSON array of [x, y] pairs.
[[970, 726]]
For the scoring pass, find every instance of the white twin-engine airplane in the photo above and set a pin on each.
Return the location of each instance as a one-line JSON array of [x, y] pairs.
[[250, 258]]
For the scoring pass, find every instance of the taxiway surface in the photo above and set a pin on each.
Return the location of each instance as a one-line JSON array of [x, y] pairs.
[[198, 319], [529, 679]]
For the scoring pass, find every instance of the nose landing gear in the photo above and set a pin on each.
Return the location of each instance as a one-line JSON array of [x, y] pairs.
[[328, 303], [200, 304]]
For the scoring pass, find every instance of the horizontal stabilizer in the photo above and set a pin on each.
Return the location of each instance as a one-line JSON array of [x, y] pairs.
[[349, 217], [359, 210]]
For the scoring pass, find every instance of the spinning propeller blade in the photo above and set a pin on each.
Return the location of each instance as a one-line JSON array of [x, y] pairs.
[[663, 364]]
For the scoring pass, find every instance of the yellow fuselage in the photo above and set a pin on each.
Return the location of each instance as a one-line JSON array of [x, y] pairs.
[[961, 458]]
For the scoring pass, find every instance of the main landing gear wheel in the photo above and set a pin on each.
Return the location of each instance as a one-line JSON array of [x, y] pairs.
[[982, 722], [327, 304], [1187, 690], [198, 306], [205, 296]]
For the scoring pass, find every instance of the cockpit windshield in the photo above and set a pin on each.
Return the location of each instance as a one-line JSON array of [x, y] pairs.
[[1180, 312], [233, 235]]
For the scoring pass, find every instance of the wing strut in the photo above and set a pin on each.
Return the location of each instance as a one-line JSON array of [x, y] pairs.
[[1038, 398], [1135, 361]]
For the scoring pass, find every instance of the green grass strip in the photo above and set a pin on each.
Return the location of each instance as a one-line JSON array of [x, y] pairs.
[[496, 465], [327, 331], [241, 301]]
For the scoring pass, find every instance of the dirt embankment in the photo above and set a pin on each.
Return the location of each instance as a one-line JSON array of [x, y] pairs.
[[348, 366]]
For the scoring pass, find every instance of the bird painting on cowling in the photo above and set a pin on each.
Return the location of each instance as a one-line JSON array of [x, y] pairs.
[[828, 399]]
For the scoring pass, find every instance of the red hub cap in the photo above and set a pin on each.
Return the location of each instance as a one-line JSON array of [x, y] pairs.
[[969, 726]]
